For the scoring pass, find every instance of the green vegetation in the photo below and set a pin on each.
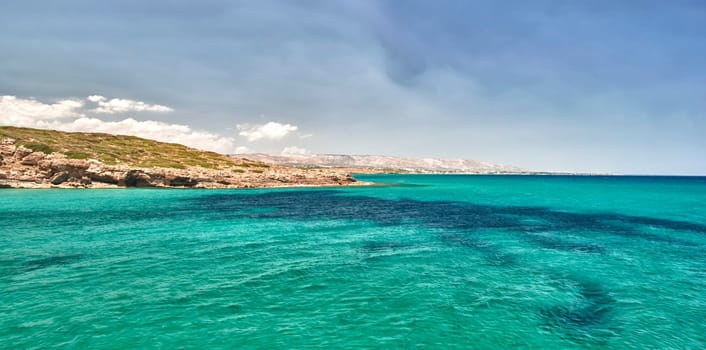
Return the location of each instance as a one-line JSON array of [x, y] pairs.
[[119, 149], [39, 147], [76, 155]]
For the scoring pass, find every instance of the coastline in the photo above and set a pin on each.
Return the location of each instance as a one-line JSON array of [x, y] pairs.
[[23, 167], [24, 185]]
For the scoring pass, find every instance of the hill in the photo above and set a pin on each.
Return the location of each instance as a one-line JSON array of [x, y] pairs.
[[118, 149], [367, 163], [48, 158]]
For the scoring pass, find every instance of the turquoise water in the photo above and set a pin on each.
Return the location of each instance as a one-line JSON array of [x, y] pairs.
[[425, 261]]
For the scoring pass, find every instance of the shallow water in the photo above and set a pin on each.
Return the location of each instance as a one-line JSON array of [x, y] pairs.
[[425, 261]]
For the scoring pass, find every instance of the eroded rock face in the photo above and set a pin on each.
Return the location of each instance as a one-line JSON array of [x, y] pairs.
[[21, 167], [33, 158], [60, 178], [137, 178], [182, 181], [107, 177], [21, 152]]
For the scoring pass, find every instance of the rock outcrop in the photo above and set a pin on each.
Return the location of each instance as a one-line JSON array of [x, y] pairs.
[[20, 167]]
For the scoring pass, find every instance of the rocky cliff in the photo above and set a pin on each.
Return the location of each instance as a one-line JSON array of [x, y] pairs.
[[24, 167]]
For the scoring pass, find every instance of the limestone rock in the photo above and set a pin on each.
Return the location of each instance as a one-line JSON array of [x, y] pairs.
[[21, 152], [33, 158], [7, 141], [60, 178]]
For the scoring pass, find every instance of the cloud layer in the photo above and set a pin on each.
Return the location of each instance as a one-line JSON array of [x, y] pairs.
[[69, 115]]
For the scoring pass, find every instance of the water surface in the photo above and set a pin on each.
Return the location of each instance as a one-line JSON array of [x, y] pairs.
[[425, 261]]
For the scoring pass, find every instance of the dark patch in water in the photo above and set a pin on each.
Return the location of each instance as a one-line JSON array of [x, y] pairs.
[[54, 260], [446, 215], [234, 308], [558, 244], [589, 319], [492, 255], [380, 246]]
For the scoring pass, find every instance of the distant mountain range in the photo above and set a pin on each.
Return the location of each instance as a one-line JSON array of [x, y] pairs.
[[385, 163]]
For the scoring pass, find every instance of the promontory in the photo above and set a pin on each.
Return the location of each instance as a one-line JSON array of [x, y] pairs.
[[35, 158]]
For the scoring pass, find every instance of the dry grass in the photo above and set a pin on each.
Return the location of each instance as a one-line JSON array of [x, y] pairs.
[[120, 149]]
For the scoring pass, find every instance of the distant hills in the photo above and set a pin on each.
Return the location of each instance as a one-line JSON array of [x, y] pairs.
[[385, 163]]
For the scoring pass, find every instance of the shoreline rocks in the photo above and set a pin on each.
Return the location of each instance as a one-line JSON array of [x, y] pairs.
[[20, 167]]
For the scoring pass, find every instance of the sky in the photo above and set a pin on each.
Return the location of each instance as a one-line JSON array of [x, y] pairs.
[[584, 86]]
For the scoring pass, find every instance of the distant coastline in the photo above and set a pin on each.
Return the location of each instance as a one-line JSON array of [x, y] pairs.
[[385, 164]]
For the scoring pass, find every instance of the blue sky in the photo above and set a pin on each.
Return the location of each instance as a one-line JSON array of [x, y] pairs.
[[593, 86]]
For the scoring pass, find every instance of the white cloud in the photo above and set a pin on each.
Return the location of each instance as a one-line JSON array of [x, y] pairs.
[[66, 115], [242, 150], [295, 151], [271, 130], [18, 111], [119, 105], [96, 98], [155, 130]]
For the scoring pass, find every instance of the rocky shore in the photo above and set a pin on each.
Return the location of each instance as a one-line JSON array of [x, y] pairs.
[[21, 167]]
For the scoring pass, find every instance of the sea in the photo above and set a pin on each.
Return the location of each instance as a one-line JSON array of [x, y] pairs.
[[415, 261]]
